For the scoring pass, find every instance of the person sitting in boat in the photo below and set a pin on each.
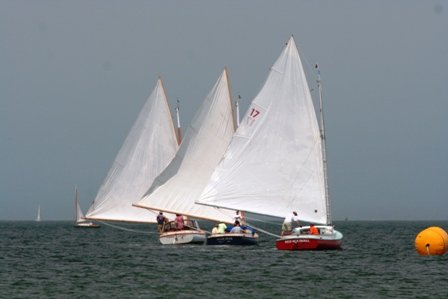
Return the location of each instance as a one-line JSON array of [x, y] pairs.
[[168, 226], [222, 227], [248, 229], [236, 228], [288, 223], [215, 229], [313, 230], [179, 222]]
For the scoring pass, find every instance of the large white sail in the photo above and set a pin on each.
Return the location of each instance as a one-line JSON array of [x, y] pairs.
[[274, 165], [148, 149], [203, 145]]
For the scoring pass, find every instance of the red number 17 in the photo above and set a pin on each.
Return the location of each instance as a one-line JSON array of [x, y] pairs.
[[254, 113]]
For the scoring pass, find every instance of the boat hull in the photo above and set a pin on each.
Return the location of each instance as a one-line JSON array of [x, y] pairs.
[[232, 239], [307, 244], [86, 225], [183, 237], [331, 241]]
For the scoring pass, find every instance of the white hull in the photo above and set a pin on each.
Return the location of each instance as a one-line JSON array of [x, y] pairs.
[[86, 224], [183, 237]]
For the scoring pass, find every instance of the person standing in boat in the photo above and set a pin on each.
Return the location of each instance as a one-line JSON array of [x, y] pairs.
[[288, 223], [179, 222], [237, 217], [160, 221]]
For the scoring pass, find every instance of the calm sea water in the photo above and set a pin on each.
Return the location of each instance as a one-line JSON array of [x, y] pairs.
[[55, 260]]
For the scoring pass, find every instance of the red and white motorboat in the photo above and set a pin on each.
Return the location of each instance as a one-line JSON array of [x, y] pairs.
[[300, 239]]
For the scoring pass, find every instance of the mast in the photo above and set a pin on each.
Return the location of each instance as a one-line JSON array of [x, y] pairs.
[[179, 131], [323, 137], [76, 204], [237, 106], [235, 118]]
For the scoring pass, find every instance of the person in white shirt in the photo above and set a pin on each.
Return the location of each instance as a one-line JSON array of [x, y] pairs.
[[288, 222], [238, 217]]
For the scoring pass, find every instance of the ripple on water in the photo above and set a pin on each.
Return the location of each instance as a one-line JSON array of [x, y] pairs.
[[55, 260]]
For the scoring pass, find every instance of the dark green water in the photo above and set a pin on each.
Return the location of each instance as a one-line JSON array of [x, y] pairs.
[[55, 260]]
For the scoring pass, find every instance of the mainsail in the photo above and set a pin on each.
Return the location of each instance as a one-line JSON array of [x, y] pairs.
[[148, 149], [274, 165], [206, 139]]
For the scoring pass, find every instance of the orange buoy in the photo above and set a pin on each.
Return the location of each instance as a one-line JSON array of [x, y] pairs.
[[432, 241]]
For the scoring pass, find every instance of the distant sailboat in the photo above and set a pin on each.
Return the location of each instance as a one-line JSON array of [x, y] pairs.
[[181, 183], [38, 214], [148, 149], [276, 161], [79, 216]]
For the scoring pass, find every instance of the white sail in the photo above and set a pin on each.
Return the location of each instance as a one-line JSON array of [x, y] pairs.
[[203, 145], [79, 215], [38, 214], [273, 165], [148, 149]]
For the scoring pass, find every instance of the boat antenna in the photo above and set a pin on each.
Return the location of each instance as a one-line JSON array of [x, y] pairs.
[[237, 106], [179, 131], [323, 137]]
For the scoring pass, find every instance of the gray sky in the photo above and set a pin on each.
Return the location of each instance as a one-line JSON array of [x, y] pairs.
[[74, 75]]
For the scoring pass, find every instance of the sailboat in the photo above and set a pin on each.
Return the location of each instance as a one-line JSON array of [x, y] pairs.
[[181, 183], [275, 163], [38, 214], [149, 147], [79, 216]]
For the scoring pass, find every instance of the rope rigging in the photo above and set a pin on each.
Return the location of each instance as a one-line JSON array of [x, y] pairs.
[[264, 231], [128, 229]]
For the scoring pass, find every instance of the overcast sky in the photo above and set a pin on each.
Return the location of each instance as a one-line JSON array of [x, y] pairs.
[[74, 75]]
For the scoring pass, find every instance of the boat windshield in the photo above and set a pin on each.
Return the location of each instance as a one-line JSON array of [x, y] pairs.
[[321, 230]]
